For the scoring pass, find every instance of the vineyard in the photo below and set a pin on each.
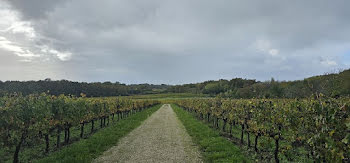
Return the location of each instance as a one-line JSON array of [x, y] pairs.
[[279, 130], [316, 128], [26, 121]]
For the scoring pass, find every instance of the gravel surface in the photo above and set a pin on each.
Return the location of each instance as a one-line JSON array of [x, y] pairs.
[[160, 138]]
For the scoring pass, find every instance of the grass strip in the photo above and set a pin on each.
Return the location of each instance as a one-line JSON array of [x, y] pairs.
[[214, 148], [88, 149]]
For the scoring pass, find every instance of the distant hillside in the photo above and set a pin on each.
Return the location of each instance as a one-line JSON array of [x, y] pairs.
[[337, 84]]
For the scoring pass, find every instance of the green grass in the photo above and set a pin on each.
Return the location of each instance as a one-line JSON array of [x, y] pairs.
[[88, 149], [214, 148]]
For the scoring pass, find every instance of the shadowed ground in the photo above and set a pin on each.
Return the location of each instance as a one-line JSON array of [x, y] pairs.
[[161, 138]]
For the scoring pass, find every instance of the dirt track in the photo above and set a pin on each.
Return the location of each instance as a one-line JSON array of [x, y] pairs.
[[161, 138]]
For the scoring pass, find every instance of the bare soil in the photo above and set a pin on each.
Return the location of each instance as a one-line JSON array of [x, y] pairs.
[[160, 138]]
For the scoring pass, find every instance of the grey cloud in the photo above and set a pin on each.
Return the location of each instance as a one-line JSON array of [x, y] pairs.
[[189, 41], [35, 9]]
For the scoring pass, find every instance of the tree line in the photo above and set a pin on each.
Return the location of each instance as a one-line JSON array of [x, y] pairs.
[[97, 89], [334, 85]]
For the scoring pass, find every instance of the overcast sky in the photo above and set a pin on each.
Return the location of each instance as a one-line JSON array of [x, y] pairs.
[[172, 42]]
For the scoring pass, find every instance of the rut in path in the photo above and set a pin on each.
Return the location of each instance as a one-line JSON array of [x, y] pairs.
[[160, 138]]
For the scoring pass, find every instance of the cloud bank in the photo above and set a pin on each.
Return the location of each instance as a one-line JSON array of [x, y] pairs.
[[162, 41]]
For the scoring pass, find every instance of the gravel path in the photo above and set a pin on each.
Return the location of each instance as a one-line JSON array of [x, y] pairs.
[[161, 138]]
